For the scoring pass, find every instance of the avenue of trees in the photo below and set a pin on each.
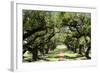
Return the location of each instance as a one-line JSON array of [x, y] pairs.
[[44, 30]]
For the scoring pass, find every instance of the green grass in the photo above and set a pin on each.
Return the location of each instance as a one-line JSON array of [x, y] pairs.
[[54, 55], [68, 55]]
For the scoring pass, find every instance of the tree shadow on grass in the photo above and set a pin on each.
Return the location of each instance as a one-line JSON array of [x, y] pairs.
[[80, 57]]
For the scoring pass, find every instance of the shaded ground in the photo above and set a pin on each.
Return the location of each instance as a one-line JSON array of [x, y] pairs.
[[54, 55]]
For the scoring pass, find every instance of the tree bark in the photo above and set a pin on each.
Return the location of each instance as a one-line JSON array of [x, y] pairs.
[[35, 54], [80, 49], [87, 53]]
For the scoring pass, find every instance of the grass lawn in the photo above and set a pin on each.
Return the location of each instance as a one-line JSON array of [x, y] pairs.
[[54, 55], [68, 55]]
